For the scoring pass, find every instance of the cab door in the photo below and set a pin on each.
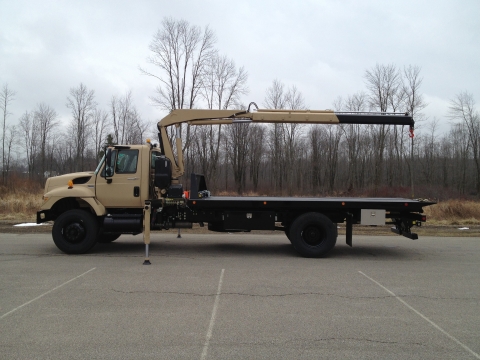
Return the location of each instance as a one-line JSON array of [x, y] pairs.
[[123, 191]]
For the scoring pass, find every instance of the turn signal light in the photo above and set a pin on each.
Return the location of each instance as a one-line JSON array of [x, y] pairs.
[[70, 184]]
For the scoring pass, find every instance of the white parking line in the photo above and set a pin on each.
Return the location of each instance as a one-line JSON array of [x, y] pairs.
[[423, 317], [48, 292], [212, 319]]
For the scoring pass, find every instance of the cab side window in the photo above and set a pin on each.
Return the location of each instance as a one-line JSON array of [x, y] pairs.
[[127, 160]]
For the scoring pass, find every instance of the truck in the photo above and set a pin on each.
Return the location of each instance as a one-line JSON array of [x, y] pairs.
[[136, 189]]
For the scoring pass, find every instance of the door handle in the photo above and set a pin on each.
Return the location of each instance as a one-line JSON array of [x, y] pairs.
[[134, 178]]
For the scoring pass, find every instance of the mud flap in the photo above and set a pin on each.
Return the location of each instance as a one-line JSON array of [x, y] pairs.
[[349, 229]]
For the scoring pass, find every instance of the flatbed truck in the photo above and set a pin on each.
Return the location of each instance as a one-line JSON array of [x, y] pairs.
[[136, 189]]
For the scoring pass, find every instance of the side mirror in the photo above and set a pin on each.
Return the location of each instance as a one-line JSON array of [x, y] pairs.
[[108, 165], [108, 157]]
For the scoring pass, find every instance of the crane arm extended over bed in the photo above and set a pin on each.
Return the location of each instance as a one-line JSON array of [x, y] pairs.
[[219, 117]]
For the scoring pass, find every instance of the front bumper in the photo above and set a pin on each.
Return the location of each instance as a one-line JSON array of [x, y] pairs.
[[43, 216]]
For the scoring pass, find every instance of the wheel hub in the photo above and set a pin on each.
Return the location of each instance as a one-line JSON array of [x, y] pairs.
[[312, 236], [74, 233]]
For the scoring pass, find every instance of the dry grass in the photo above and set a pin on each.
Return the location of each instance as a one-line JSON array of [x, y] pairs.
[[454, 212], [23, 201], [21, 204]]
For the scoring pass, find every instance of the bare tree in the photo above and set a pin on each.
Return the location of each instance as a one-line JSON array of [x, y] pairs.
[[100, 129], [414, 104], [126, 122], [255, 154], [82, 105], [430, 152], [366, 154], [6, 97], [114, 113], [356, 102], [136, 127], [275, 99], [10, 144], [291, 137], [414, 101], [181, 52], [237, 150], [446, 154], [125, 115], [284, 139], [45, 119], [353, 133], [30, 136], [206, 150], [332, 138], [462, 108], [222, 84], [294, 99], [221, 87], [460, 149], [384, 84], [314, 144]]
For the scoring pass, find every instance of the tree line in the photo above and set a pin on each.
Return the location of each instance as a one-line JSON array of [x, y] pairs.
[[37, 147], [280, 159]]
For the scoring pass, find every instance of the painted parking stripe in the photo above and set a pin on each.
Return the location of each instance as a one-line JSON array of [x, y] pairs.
[[423, 317], [46, 293], [212, 319]]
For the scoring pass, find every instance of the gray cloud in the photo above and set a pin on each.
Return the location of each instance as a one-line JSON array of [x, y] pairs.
[[322, 47]]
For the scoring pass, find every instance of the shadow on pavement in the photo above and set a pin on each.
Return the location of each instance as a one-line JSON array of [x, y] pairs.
[[233, 248]]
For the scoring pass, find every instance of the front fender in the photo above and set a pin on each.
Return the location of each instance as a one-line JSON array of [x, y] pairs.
[[96, 206], [76, 192]]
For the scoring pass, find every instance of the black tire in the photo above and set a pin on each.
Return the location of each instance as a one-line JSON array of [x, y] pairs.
[[105, 238], [75, 231], [313, 235]]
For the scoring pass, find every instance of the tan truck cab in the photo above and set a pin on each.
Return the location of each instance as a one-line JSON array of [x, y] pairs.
[[121, 183]]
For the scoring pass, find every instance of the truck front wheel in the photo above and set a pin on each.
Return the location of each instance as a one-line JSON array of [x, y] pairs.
[[75, 231], [313, 235]]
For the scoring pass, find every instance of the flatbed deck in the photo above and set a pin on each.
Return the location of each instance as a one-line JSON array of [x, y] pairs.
[[305, 203], [230, 213]]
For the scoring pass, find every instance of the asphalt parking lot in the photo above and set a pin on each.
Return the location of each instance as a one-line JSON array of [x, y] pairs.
[[244, 296]]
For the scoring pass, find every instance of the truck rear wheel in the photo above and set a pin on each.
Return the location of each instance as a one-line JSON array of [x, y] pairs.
[[313, 235], [75, 231]]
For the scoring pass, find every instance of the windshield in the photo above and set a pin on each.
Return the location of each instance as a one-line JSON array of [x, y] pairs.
[[100, 164]]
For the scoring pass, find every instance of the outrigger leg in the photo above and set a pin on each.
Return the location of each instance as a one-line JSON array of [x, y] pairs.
[[146, 231]]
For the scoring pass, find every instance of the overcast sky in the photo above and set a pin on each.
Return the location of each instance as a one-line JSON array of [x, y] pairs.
[[323, 47]]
